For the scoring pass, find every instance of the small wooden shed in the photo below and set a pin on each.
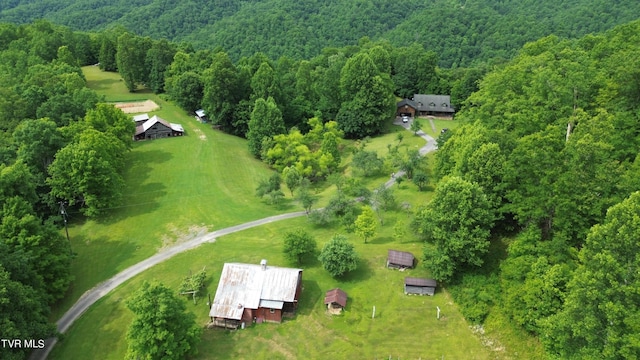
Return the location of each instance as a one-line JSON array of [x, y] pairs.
[[400, 259], [336, 300], [419, 286], [201, 116]]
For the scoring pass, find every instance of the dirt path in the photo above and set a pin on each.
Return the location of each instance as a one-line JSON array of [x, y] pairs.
[[91, 296]]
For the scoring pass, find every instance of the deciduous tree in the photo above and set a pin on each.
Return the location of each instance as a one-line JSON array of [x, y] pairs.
[[186, 89], [108, 119], [367, 162], [161, 328], [47, 251], [130, 57], [416, 125], [456, 224], [292, 178], [372, 101], [366, 224], [87, 172], [420, 179], [599, 319], [299, 244], [338, 256], [222, 92], [38, 141]]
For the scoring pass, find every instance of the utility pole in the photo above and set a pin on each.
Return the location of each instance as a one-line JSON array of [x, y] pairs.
[[63, 212]]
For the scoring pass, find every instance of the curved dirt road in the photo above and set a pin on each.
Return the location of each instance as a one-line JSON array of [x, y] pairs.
[[102, 289]]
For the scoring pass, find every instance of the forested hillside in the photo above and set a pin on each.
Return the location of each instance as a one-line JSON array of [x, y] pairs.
[[461, 32], [544, 170], [553, 140], [56, 142]]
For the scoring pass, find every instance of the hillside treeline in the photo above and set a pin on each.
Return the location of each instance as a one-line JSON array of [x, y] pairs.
[[60, 149], [463, 33], [553, 140], [354, 85]]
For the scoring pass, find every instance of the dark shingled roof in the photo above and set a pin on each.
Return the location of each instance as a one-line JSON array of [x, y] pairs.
[[401, 258], [408, 102], [435, 103], [419, 282], [336, 296]]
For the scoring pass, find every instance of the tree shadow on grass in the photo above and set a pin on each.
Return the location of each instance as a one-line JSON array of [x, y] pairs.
[[102, 84], [96, 260], [381, 240], [140, 196], [311, 294], [361, 273]]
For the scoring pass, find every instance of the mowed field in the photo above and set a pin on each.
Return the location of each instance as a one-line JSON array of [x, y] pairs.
[[178, 187]]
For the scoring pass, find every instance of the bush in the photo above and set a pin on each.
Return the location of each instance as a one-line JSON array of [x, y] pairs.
[[475, 294]]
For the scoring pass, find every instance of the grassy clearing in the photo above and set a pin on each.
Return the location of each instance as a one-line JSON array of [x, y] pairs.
[[112, 87], [404, 327], [177, 187], [203, 181]]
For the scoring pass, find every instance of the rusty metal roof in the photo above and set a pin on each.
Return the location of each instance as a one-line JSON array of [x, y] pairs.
[[246, 285], [401, 258], [336, 296], [411, 281]]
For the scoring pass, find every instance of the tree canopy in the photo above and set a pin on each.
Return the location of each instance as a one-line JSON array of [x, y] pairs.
[[461, 33], [599, 318], [457, 223], [161, 328], [338, 256]]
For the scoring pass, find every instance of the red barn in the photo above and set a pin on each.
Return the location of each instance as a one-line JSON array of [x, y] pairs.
[[248, 293]]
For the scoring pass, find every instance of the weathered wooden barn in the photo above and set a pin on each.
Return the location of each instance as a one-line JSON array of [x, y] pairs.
[[155, 128], [255, 293], [421, 104], [140, 119], [419, 286], [336, 300], [400, 259]]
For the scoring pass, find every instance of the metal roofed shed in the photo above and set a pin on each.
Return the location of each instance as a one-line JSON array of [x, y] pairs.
[[252, 292], [140, 119], [400, 259], [201, 116], [336, 300], [419, 286]]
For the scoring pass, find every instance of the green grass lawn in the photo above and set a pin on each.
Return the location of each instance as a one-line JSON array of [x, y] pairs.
[[404, 326], [112, 87], [178, 187]]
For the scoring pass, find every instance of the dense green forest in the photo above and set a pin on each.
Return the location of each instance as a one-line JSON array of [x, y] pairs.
[[462, 33], [553, 140], [543, 174]]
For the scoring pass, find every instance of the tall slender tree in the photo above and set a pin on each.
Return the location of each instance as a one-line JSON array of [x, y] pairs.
[[266, 121]]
